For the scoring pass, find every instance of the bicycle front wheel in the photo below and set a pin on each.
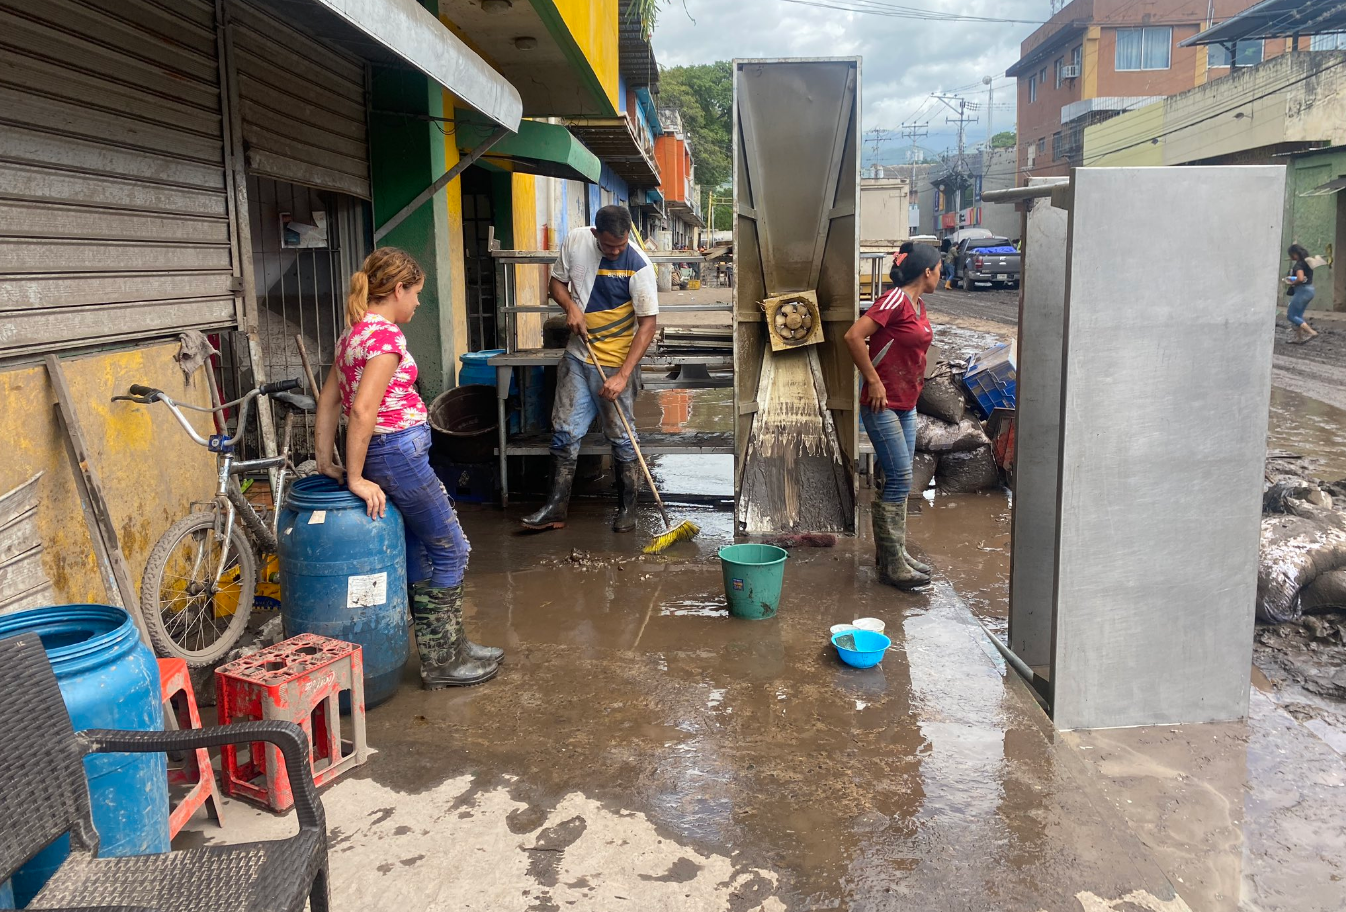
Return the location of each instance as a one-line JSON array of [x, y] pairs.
[[190, 614]]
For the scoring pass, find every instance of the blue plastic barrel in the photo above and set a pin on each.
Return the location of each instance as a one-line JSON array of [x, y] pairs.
[[109, 679], [476, 370], [344, 576]]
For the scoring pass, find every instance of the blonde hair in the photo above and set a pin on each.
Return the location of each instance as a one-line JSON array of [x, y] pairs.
[[382, 271]]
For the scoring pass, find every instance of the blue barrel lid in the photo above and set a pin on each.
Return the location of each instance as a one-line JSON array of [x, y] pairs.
[[75, 637], [480, 356], [318, 492]]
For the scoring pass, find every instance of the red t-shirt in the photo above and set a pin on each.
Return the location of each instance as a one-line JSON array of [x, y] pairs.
[[902, 370]]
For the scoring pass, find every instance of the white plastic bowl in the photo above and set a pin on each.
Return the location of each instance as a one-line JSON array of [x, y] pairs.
[[872, 624], [842, 628]]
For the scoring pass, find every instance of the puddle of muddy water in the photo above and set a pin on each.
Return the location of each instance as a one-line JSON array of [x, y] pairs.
[[1309, 428]]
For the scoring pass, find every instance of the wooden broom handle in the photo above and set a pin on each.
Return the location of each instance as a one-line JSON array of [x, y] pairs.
[[630, 435]]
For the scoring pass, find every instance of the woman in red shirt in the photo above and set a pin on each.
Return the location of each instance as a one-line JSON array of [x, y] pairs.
[[888, 344]]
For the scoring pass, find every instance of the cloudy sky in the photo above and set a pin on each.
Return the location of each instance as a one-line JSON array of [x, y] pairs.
[[905, 60]]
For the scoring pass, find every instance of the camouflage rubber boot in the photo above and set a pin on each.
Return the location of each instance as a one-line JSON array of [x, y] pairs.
[[915, 564], [474, 650], [890, 532], [437, 612]]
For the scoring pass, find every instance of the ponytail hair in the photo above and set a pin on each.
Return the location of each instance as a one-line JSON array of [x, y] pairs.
[[382, 272], [357, 301], [911, 261]]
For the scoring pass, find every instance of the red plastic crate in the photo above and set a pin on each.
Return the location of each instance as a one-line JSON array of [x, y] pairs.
[[300, 680]]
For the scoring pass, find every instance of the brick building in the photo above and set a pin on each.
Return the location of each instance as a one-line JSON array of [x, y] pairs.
[[1098, 58]]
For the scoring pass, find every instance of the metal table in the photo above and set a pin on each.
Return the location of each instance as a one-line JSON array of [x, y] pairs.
[[595, 444]]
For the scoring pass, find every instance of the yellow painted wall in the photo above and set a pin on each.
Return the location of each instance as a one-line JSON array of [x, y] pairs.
[[1120, 142], [1089, 62], [593, 24], [531, 281], [150, 470], [453, 194]]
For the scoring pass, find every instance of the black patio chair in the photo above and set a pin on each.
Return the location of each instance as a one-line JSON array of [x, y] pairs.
[[44, 794]]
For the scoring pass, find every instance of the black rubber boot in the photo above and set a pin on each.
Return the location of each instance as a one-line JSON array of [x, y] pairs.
[[438, 613], [553, 512], [628, 489], [420, 590]]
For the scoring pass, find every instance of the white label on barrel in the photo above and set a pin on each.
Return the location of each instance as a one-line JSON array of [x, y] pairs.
[[366, 591], [318, 518]]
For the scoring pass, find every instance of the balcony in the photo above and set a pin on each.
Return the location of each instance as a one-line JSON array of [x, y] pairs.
[[627, 151]]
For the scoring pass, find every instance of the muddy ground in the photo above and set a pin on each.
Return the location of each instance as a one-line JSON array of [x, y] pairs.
[[641, 749]]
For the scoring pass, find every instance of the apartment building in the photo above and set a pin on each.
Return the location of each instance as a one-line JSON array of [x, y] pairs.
[[1096, 59]]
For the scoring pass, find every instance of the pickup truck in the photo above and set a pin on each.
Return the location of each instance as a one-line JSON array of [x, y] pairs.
[[992, 261]]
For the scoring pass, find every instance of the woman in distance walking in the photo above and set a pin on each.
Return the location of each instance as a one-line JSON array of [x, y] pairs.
[[1300, 281]]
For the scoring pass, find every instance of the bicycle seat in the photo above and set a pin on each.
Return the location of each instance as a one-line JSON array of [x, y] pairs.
[[297, 401]]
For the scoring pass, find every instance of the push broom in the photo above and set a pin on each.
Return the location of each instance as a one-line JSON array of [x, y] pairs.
[[683, 531]]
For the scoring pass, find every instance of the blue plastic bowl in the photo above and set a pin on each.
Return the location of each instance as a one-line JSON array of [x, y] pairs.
[[868, 651]]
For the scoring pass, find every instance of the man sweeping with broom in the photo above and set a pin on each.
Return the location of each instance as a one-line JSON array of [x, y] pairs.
[[608, 289]]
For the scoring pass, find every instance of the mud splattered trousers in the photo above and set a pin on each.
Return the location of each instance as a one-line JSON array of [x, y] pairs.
[[1299, 302], [399, 463], [893, 435], [578, 403]]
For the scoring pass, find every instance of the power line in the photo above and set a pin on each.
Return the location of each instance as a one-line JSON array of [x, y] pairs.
[[871, 7]]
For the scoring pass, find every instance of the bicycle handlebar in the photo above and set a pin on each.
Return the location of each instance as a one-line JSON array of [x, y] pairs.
[[278, 386], [145, 395]]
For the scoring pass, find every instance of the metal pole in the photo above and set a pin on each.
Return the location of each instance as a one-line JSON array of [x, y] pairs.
[[990, 113]]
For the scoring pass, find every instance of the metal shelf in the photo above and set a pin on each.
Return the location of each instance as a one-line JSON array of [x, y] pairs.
[[550, 357], [595, 444], [652, 443]]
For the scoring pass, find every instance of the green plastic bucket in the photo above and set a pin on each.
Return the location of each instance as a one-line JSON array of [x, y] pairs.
[[753, 575]]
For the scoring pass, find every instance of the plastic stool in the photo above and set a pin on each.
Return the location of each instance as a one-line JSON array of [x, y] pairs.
[[300, 680], [175, 685]]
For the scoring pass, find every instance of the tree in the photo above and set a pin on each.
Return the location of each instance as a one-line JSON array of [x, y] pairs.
[[704, 95], [1005, 140]]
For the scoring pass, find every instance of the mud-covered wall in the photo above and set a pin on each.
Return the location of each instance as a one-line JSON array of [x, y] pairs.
[[150, 470]]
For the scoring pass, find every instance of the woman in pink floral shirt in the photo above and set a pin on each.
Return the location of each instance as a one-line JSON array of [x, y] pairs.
[[373, 386]]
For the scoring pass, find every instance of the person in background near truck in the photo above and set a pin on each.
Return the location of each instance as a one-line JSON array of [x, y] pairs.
[[1300, 281], [608, 289], [888, 344], [373, 385]]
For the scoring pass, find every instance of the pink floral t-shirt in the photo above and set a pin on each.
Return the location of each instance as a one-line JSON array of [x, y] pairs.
[[402, 406]]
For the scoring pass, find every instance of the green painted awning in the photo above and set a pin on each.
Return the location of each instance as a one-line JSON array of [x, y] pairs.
[[538, 148]]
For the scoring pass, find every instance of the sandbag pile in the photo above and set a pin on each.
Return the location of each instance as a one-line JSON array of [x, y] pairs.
[[952, 448], [1302, 563]]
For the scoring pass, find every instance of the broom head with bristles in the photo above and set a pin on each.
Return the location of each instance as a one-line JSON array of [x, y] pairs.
[[683, 531]]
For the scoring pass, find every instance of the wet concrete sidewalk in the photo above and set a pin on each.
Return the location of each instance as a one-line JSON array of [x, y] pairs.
[[642, 750]]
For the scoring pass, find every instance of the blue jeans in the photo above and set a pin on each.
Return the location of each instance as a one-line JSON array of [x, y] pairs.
[[578, 403], [436, 546], [893, 435], [1299, 303]]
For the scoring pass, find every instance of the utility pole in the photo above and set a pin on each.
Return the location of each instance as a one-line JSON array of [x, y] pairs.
[[962, 120], [913, 132], [989, 82]]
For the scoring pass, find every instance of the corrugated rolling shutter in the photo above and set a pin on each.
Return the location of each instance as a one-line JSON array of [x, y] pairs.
[[303, 104], [114, 212]]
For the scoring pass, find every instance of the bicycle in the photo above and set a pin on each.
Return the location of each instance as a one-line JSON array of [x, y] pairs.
[[198, 587]]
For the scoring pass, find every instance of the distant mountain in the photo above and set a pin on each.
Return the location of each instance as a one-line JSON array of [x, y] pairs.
[[894, 153]]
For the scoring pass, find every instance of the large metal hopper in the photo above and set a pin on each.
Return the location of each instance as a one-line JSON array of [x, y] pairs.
[[796, 186]]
